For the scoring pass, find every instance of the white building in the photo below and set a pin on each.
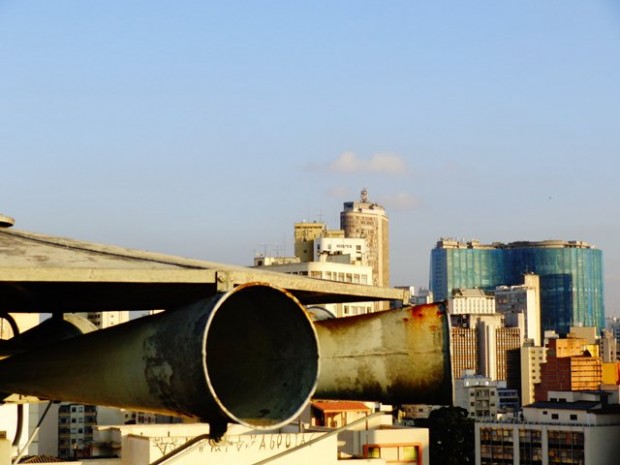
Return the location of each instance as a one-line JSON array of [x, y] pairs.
[[106, 319], [573, 428], [9, 413], [522, 301], [330, 271], [478, 395], [420, 296], [471, 301], [354, 250], [613, 325], [371, 440], [608, 346]]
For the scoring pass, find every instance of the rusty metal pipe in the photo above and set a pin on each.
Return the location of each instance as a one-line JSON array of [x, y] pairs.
[[249, 356], [396, 356]]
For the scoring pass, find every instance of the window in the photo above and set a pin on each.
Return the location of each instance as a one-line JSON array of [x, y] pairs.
[[554, 416], [396, 453], [573, 417]]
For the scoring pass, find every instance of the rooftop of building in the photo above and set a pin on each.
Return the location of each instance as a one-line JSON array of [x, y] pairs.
[[453, 243], [458, 292], [585, 405], [340, 406]]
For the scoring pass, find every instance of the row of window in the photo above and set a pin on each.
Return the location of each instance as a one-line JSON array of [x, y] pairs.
[[556, 416]]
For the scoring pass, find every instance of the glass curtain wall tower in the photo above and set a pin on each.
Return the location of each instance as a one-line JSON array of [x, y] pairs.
[[571, 276]]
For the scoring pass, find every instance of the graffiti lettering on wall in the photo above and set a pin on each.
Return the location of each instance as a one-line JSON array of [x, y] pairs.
[[256, 442]]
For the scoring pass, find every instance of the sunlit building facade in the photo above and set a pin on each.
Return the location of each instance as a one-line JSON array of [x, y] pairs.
[[571, 275], [367, 220]]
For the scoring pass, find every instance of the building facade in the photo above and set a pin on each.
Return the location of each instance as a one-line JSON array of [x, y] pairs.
[[532, 357], [571, 275], [574, 428], [477, 394], [306, 233], [483, 343], [75, 430], [570, 366], [327, 270], [512, 301], [368, 220], [471, 301]]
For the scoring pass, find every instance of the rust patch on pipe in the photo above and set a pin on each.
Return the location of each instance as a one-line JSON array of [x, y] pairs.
[[396, 356]]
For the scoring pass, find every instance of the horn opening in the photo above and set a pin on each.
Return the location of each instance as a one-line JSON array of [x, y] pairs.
[[261, 356]]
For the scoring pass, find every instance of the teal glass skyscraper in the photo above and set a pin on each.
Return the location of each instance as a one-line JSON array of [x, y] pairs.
[[571, 275]]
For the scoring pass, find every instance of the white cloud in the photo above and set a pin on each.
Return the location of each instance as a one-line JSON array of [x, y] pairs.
[[400, 202], [384, 163], [339, 192]]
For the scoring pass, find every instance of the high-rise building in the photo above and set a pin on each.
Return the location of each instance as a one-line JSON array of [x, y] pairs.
[[481, 343], [571, 275], [367, 220]]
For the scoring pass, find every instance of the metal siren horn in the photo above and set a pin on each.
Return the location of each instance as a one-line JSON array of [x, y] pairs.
[[248, 356]]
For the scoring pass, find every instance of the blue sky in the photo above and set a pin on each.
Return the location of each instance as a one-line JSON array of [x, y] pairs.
[[206, 129]]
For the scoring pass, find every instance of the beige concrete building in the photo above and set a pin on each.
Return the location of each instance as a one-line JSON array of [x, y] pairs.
[[305, 234], [573, 428], [367, 220], [532, 357]]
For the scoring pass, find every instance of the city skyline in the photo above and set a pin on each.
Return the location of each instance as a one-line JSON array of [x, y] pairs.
[[207, 131]]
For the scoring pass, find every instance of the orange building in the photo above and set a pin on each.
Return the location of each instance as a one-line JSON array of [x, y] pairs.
[[611, 373], [569, 367]]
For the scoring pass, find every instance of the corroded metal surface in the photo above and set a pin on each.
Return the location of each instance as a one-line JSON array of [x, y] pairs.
[[249, 356], [396, 356]]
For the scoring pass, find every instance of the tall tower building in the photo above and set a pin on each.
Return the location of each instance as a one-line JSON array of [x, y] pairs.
[[367, 220], [570, 272]]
